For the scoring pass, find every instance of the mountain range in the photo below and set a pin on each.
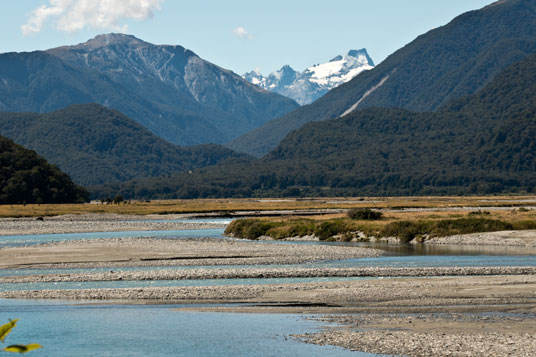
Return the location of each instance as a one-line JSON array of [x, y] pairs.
[[444, 64], [315, 81], [478, 144], [450, 113], [95, 145], [168, 89]]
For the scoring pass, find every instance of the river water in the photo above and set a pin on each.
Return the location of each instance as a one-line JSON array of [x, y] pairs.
[[118, 329], [78, 329]]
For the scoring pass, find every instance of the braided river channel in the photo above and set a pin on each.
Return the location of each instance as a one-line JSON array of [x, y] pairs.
[[120, 328]]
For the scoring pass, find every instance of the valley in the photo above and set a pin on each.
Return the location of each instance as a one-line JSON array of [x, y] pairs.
[[154, 202]]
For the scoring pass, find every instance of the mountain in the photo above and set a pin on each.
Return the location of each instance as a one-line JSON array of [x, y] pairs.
[[95, 145], [168, 89], [444, 64], [315, 81], [479, 144], [25, 177]]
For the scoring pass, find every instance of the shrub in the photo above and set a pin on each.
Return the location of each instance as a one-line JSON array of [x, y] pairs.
[[364, 214], [250, 228], [468, 225], [329, 229], [479, 213], [406, 231]]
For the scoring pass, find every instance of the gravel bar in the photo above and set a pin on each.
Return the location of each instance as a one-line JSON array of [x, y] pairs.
[[430, 334], [269, 272]]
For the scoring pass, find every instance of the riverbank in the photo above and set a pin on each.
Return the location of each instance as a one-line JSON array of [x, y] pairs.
[[230, 206], [367, 225]]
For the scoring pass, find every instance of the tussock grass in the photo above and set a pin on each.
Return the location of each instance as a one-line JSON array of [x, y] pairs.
[[406, 230], [231, 205]]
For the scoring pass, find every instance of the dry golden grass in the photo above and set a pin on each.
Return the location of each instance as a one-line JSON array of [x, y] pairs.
[[230, 205]]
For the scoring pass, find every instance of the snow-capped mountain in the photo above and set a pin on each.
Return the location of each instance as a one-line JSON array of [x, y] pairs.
[[315, 81]]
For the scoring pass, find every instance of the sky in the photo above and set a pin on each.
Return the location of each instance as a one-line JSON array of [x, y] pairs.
[[240, 35]]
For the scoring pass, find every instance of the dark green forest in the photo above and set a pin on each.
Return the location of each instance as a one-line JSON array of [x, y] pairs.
[[95, 145], [480, 144], [25, 177]]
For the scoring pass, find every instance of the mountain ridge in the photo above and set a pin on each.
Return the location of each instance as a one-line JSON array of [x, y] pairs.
[[445, 63], [168, 89]]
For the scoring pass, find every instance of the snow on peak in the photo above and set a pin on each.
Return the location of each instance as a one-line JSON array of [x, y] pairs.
[[315, 81]]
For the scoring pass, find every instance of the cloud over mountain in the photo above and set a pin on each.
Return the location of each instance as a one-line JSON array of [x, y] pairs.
[[75, 15]]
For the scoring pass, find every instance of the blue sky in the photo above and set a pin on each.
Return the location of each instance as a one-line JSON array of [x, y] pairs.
[[240, 35]]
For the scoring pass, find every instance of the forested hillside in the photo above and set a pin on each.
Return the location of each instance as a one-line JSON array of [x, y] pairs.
[[25, 177], [95, 145]]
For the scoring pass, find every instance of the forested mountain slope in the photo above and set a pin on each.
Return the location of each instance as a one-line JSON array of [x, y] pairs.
[[95, 145], [25, 177]]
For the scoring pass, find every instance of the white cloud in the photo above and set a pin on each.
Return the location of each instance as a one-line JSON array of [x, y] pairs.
[[242, 33], [75, 15]]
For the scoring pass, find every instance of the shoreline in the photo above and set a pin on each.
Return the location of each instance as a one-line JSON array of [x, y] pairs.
[[111, 222]]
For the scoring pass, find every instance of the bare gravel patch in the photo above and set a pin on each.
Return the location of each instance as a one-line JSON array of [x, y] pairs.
[[152, 252], [431, 335], [87, 223], [269, 272]]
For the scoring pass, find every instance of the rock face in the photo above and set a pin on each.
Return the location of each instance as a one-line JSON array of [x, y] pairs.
[[315, 81], [168, 89]]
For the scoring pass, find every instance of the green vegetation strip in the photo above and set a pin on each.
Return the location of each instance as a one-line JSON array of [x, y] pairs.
[[346, 229]]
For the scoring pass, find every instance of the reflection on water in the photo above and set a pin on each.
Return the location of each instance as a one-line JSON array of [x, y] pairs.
[[446, 249], [75, 329]]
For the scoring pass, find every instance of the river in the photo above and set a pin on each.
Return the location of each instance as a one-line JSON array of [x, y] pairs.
[[119, 329]]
